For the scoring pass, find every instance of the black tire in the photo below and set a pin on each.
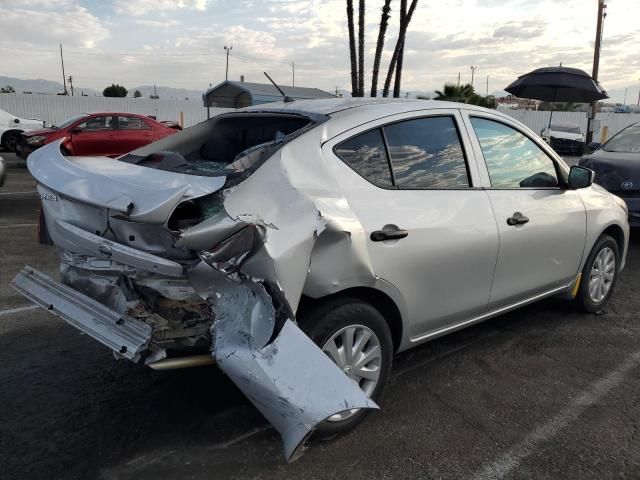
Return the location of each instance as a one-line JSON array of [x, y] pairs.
[[320, 323], [583, 298], [10, 140]]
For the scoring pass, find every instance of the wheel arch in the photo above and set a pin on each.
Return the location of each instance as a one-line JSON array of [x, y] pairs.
[[11, 130], [377, 298], [617, 233]]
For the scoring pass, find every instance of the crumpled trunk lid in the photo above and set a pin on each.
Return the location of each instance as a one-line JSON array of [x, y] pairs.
[[140, 194]]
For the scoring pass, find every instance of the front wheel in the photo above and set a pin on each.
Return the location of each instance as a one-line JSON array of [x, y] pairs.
[[356, 337], [10, 140], [599, 275]]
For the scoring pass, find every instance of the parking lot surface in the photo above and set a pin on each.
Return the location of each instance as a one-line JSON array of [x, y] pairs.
[[543, 392]]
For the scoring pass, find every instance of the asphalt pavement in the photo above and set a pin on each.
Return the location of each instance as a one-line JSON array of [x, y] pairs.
[[543, 392]]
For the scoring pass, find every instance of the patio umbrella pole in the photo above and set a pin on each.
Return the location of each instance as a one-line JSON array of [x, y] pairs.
[[555, 90]]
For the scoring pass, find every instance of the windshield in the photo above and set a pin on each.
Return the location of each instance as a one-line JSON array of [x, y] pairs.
[[565, 128], [627, 141], [71, 120]]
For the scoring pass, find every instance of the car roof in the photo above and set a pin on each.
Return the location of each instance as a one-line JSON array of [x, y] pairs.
[[330, 106]]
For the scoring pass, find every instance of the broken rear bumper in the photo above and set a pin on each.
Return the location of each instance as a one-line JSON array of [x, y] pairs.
[[124, 335]]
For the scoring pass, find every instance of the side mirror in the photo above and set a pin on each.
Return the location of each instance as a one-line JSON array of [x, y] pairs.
[[593, 146], [580, 177], [76, 130]]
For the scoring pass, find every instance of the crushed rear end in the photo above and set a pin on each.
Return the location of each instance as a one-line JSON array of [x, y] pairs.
[[177, 250]]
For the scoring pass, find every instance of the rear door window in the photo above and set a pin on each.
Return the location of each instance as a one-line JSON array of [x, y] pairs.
[[366, 154], [427, 153]]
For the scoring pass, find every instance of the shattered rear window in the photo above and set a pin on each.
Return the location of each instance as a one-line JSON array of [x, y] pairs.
[[231, 145]]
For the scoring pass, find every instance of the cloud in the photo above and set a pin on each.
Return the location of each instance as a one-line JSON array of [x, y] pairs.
[[520, 30], [146, 7], [73, 26], [158, 23]]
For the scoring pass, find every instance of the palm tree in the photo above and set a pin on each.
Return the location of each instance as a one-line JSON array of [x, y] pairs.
[[455, 93], [361, 49], [384, 22], [352, 49], [405, 19], [464, 94]]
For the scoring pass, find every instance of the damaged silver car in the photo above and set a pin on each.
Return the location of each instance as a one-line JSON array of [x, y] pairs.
[[300, 245]]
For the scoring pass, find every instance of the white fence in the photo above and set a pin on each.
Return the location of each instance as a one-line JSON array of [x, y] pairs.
[[538, 120], [57, 108]]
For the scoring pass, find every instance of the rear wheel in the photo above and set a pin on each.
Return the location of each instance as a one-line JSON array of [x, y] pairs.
[[599, 275], [356, 337]]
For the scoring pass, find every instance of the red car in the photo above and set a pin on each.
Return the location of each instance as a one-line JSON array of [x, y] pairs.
[[105, 134]]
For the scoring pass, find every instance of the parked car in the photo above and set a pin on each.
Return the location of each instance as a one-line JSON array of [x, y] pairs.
[[104, 134], [300, 245], [617, 167], [3, 173], [565, 138], [11, 126]]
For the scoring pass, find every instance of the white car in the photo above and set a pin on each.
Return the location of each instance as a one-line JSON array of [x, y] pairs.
[[565, 137], [300, 245], [11, 126]]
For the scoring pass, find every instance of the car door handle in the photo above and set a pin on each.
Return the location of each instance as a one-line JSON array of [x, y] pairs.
[[382, 235], [517, 219]]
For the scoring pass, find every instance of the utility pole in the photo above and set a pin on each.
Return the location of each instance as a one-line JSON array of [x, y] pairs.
[[458, 78], [473, 71], [64, 78], [487, 94], [228, 49], [596, 65], [71, 84], [293, 74]]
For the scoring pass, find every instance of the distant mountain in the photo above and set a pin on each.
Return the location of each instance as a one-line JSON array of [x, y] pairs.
[[51, 87], [41, 86]]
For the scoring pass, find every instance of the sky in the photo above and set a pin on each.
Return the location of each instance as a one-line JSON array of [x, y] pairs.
[[179, 43]]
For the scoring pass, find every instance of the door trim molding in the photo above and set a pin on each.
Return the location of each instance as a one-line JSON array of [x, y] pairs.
[[485, 316]]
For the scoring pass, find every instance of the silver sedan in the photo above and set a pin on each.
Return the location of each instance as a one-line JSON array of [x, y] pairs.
[[300, 245]]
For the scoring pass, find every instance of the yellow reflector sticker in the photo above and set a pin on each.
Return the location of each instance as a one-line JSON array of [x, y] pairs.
[[576, 285]]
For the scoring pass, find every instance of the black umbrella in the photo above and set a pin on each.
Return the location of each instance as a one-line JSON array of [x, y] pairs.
[[557, 84]]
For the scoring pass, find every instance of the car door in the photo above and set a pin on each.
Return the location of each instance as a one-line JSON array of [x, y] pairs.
[[542, 224], [430, 230], [93, 136], [132, 132]]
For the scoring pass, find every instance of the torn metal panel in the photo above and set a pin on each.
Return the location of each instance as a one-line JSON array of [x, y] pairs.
[[292, 224], [274, 373], [126, 336]]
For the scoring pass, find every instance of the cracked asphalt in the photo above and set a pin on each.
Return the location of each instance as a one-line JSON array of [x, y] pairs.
[[543, 392]]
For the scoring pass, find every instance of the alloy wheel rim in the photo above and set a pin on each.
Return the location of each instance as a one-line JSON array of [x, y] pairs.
[[356, 350], [602, 274]]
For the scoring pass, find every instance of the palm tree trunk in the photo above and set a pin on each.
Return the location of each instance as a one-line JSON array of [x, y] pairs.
[[352, 49], [384, 22], [403, 21], [399, 45], [361, 49]]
